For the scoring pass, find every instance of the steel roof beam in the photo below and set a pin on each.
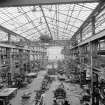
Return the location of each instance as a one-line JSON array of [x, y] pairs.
[[6, 3], [67, 15], [30, 21], [95, 11], [62, 22], [32, 28], [62, 31], [12, 33], [25, 23], [61, 27], [52, 28], [46, 21], [44, 29], [34, 33]]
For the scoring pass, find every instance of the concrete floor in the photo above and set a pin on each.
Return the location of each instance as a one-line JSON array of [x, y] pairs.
[[35, 85], [73, 92]]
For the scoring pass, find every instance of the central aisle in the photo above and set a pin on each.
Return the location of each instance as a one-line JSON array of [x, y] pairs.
[[73, 93], [35, 85]]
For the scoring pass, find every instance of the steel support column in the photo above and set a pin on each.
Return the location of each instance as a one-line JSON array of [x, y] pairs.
[[21, 61], [93, 25], [81, 35], [9, 38], [10, 70], [91, 67], [10, 73]]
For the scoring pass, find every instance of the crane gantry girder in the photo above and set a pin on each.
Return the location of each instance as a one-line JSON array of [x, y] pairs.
[[51, 43], [5, 3]]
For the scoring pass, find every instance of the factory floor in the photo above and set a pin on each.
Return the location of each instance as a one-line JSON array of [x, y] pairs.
[[31, 88], [73, 92]]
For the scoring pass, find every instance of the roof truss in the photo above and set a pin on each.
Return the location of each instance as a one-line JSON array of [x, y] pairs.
[[5, 3]]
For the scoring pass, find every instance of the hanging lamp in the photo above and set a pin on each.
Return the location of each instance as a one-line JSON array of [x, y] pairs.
[[45, 38], [34, 9]]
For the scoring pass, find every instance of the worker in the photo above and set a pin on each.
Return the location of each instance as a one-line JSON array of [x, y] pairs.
[[66, 102], [60, 91]]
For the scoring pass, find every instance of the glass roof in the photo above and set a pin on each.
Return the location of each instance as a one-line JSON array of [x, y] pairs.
[[59, 21]]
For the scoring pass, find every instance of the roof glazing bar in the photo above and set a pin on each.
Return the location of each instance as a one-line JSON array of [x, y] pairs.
[[62, 22]]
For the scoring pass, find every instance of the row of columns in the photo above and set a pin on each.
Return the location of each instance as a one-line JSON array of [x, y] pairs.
[[11, 64]]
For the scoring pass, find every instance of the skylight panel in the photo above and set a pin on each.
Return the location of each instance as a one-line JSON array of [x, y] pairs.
[[8, 26], [91, 5], [3, 16], [29, 19]]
